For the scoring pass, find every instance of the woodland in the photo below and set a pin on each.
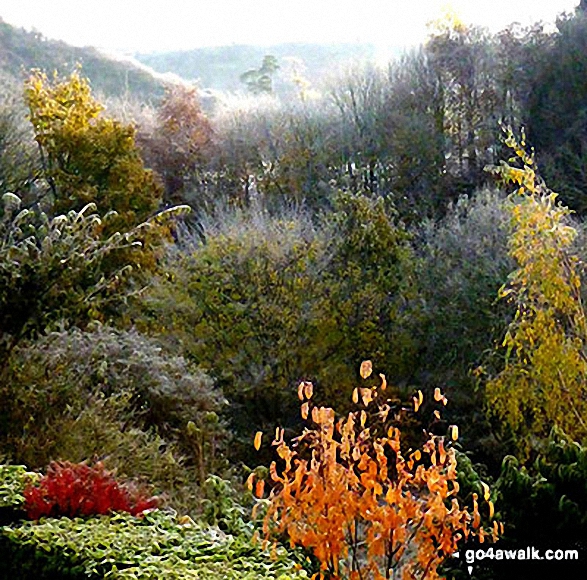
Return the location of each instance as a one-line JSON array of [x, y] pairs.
[[336, 333]]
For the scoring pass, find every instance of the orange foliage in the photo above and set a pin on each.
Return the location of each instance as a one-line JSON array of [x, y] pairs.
[[367, 509]]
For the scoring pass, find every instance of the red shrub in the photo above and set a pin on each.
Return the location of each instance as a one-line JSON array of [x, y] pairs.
[[76, 489]]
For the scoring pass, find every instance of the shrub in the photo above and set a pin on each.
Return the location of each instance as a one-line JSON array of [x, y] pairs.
[[122, 547], [114, 394], [462, 262], [546, 501], [263, 301], [72, 490], [349, 491], [13, 482], [53, 269]]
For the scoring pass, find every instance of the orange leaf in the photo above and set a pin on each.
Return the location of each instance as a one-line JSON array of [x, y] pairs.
[[308, 390], [454, 432], [258, 437], [383, 382], [305, 409], [259, 488]]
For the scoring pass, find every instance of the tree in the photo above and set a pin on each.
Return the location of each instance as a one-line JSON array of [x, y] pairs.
[[181, 142], [259, 81], [542, 383], [88, 158]]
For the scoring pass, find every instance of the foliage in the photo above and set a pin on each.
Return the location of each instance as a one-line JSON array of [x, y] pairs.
[[348, 491], [159, 545], [13, 482], [116, 395], [53, 269], [77, 489], [180, 143], [546, 500], [542, 383], [19, 164], [224, 508], [87, 157], [259, 80], [464, 261], [556, 112], [265, 301]]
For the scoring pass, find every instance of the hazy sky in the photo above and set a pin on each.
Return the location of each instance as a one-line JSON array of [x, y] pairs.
[[153, 25]]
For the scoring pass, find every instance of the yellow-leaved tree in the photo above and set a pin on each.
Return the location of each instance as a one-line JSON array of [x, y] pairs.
[[88, 157], [543, 382]]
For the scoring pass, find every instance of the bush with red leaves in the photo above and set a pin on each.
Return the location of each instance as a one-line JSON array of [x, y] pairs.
[[76, 489]]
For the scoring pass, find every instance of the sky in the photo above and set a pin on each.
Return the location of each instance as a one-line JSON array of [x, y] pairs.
[[130, 26]]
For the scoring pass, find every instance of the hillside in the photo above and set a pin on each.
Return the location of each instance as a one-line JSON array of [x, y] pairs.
[[21, 51], [220, 67]]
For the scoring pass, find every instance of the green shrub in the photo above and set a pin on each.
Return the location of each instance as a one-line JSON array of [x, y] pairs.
[[263, 302], [463, 261], [127, 548], [546, 501]]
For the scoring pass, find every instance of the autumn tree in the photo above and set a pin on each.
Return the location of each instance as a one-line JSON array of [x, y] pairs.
[[367, 507], [87, 157], [181, 141], [542, 383]]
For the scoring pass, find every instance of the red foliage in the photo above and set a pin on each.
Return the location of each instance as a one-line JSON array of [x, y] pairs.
[[76, 489]]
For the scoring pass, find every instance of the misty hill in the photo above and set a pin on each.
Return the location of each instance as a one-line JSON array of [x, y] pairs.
[[21, 51], [220, 67]]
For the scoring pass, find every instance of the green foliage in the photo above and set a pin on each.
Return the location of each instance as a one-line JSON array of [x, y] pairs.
[[77, 395], [19, 163], [13, 480], [122, 547], [53, 269], [260, 80], [556, 111], [87, 157], [464, 261], [264, 302], [546, 501]]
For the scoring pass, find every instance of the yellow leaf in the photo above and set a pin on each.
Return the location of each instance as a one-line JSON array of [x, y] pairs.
[[437, 394], [366, 369], [301, 391], [355, 395], [491, 509], [258, 437], [305, 409], [485, 490], [454, 432], [308, 390]]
